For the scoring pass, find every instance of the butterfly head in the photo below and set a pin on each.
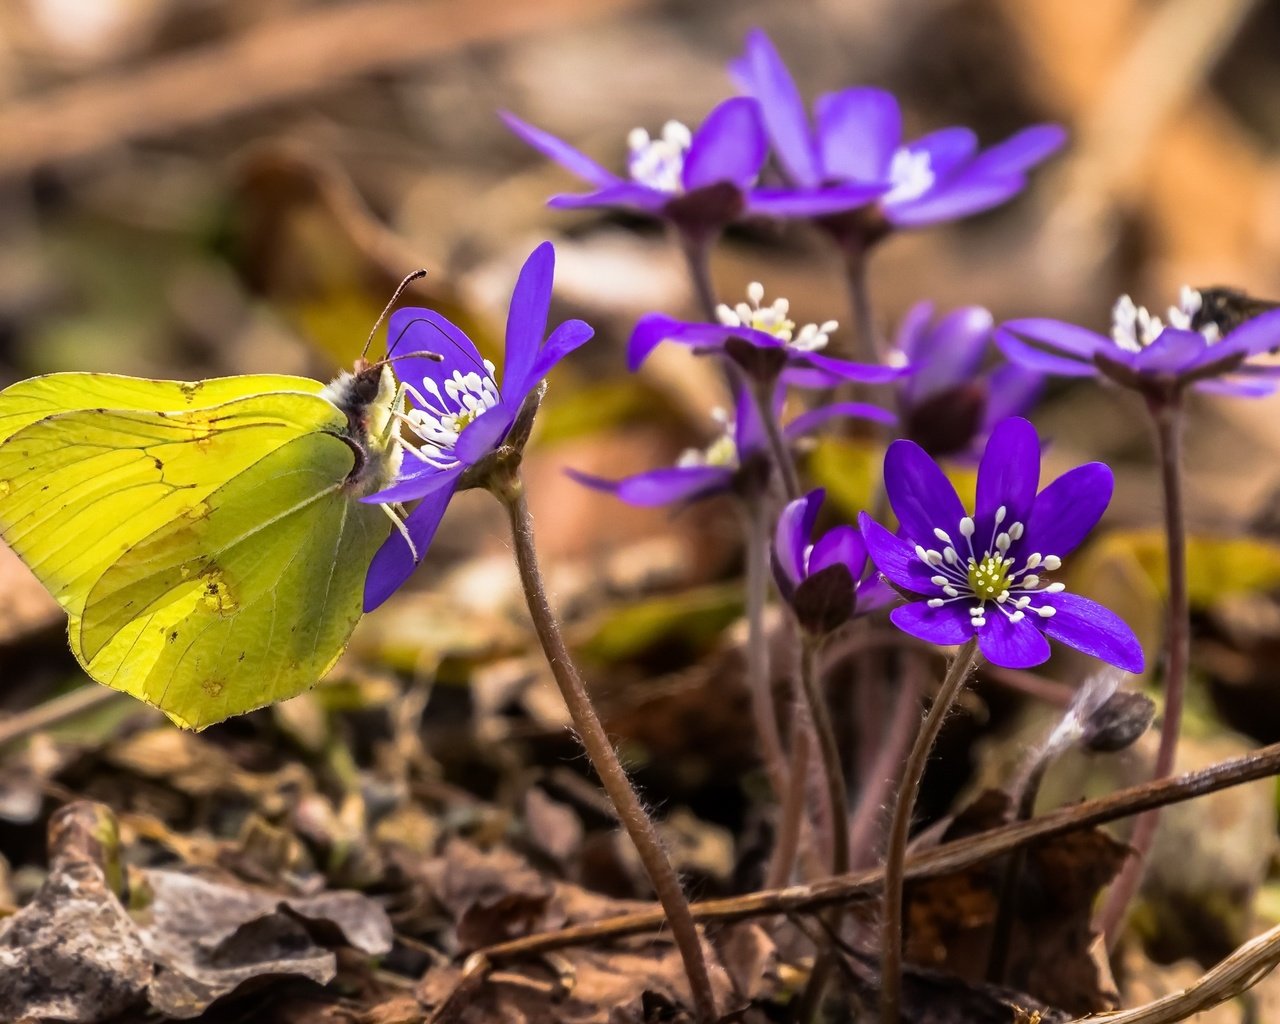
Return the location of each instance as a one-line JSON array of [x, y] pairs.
[[370, 399]]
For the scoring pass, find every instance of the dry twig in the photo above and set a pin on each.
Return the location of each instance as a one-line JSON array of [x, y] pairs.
[[1238, 973], [940, 860], [279, 60]]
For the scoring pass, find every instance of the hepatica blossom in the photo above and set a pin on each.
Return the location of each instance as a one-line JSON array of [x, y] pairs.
[[700, 177], [763, 336], [736, 461], [853, 153], [1148, 353], [457, 411], [825, 580], [951, 402], [987, 574]]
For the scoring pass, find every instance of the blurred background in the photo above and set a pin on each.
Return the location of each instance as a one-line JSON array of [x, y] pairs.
[[194, 188]]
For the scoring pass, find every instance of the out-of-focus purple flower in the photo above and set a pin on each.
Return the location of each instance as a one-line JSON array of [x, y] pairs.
[[761, 338], [736, 461], [1149, 354], [982, 574], [854, 142], [458, 412], [950, 404], [697, 178], [825, 580]]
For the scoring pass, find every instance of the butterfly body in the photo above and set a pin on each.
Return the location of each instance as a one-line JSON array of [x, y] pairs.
[[207, 539]]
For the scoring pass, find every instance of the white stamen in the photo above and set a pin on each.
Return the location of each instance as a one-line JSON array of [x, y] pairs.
[[659, 163], [966, 528], [1133, 327], [910, 174], [1052, 563]]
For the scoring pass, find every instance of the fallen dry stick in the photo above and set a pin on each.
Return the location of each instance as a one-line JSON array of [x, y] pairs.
[[940, 860], [277, 60], [1238, 973]]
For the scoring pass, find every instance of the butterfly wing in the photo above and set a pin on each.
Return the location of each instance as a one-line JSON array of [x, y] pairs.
[[30, 400], [80, 488], [109, 506], [247, 600]]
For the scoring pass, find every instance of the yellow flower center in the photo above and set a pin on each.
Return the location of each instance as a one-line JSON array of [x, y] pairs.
[[989, 578]]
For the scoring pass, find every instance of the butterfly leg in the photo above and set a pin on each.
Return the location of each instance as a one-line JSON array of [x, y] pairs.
[[398, 521]]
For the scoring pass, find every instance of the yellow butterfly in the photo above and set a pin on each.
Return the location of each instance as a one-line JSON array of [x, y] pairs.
[[206, 539]]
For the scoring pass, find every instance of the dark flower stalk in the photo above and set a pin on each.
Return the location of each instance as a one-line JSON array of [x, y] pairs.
[[1167, 417], [508, 488], [869, 346], [759, 680], [786, 847], [837, 814], [696, 246], [965, 661], [867, 824], [779, 451], [823, 584]]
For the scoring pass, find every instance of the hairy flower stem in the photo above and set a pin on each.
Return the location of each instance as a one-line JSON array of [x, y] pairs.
[[904, 807], [865, 828], [837, 814], [792, 818], [762, 392], [854, 251], [1167, 417], [696, 246], [604, 759], [759, 679]]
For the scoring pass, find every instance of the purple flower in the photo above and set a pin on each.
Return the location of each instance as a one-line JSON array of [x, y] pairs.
[[458, 413], [760, 338], [853, 152], [982, 574], [950, 404], [736, 461], [1150, 354], [823, 580], [699, 178]]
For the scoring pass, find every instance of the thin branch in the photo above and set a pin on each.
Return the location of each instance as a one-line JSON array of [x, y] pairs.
[[941, 860], [279, 60], [1238, 973]]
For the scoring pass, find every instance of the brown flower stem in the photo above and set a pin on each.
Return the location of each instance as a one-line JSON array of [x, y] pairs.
[[865, 827], [837, 816], [762, 392], [759, 679], [791, 820], [696, 247], [1167, 417], [509, 489], [869, 348], [896, 855]]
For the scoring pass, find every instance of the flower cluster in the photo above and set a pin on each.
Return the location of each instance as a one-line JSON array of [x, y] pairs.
[[852, 156]]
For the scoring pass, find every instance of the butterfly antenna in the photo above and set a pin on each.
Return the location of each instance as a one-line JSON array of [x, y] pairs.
[[468, 356], [415, 276]]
